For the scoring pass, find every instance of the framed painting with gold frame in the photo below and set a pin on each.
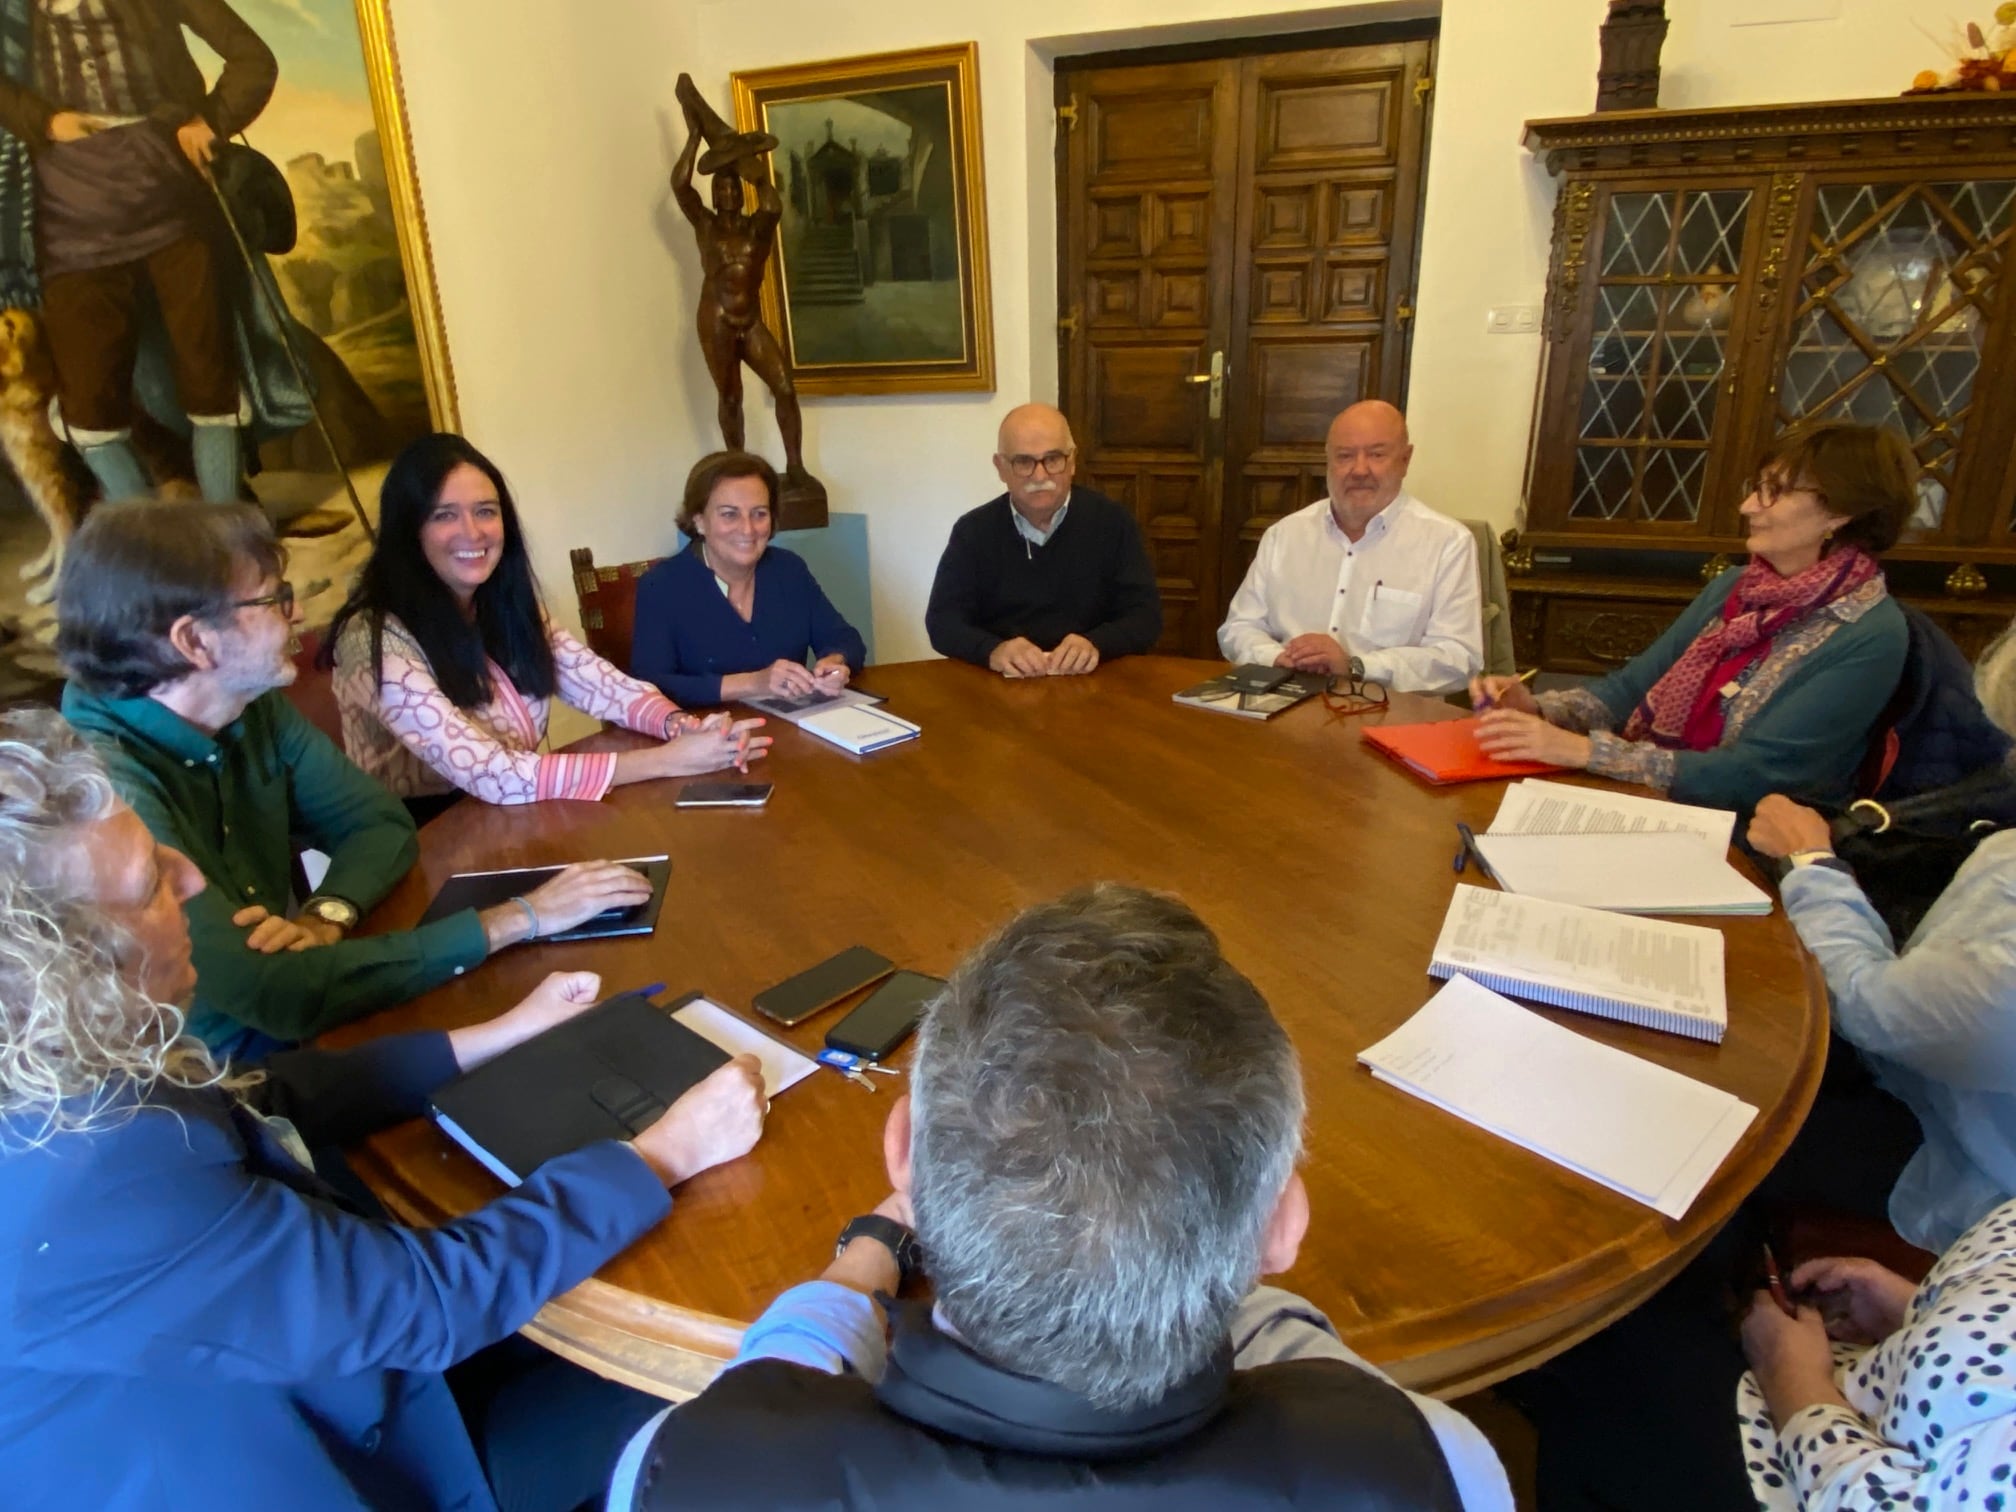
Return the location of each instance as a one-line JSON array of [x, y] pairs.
[[879, 283], [320, 246]]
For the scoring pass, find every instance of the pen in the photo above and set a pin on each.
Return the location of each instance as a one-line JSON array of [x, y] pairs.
[[1490, 702], [1469, 853], [1777, 1284]]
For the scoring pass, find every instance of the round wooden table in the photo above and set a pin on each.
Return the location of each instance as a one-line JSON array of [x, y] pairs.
[[1450, 1257]]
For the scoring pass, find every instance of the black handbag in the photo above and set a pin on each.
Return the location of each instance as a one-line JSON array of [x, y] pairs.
[[1905, 853]]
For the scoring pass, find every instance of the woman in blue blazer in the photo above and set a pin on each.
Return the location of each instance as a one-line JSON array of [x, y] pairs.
[[193, 1317], [731, 616]]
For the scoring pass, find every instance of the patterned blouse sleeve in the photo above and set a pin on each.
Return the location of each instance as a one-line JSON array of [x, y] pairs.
[[1840, 1463], [1610, 755], [596, 688], [429, 725]]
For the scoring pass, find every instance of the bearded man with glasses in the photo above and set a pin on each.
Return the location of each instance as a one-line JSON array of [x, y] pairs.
[[1048, 578]]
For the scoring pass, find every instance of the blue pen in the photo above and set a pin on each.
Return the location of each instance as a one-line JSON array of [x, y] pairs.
[[1469, 852], [652, 991]]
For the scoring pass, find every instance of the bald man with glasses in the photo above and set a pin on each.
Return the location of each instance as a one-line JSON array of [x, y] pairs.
[[1049, 578]]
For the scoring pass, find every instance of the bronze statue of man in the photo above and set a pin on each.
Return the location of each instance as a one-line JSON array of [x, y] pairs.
[[735, 247]]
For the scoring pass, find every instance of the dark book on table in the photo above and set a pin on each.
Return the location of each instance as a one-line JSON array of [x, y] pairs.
[[480, 890], [606, 1074], [1229, 693]]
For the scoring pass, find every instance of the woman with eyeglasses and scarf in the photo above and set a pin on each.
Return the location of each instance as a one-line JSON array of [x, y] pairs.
[[1772, 679]]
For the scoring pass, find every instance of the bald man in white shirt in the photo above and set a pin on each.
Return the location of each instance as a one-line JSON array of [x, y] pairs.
[[1370, 573]]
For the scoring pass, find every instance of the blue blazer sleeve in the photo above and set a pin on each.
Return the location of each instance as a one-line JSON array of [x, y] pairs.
[[660, 624], [337, 1097], [829, 632], [161, 1253]]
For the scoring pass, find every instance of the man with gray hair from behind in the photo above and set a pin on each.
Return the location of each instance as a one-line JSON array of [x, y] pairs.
[[1099, 1153]]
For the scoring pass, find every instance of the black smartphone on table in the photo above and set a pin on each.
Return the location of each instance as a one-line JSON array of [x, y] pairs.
[[885, 1019], [723, 795], [798, 998]]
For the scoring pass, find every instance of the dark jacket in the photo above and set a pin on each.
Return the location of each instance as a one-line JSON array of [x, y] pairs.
[[1091, 578], [945, 1429], [194, 1320], [688, 635], [243, 86], [1942, 732]]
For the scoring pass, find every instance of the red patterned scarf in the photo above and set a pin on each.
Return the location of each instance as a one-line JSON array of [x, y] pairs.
[[1683, 710]]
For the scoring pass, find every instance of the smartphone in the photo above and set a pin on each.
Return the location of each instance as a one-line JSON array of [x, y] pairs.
[[795, 1000], [885, 1020], [723, 795]]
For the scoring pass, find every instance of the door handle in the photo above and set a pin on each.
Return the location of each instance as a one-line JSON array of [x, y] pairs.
[[1216, 378]]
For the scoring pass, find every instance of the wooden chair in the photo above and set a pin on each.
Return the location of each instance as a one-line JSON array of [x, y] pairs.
[[313, 691], [608, 599]]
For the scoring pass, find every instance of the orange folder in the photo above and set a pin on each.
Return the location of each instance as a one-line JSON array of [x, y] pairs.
[[1445, 750]]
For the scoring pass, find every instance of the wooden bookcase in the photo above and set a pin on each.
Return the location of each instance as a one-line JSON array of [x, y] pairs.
[[1720, 275]]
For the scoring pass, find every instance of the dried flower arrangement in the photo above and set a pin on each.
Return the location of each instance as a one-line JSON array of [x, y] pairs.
[[1982, 60]]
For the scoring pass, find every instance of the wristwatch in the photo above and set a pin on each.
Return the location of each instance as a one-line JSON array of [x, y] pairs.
[[1818, 856], [332, 911], [897, 1238]]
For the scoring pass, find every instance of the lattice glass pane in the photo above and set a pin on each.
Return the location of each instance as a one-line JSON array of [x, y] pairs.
[[1711, 232], [1613, 399], [1896, 293], [1602, 482], [1839, 209], [1672, 489], [1638, 234], [1821, 364], [1981, 205], [1690, 379]]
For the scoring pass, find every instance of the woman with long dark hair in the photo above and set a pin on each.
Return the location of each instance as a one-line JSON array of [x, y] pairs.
[[446, 662]]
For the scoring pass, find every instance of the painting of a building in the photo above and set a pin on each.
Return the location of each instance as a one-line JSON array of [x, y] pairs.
[[870, 235]]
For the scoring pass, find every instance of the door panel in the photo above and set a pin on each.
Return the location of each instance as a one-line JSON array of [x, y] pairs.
[[1329, 174], [1262, 208], [1147, 229]]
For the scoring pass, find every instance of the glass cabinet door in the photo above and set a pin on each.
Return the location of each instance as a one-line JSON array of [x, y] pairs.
[[1895, 298], [1665, 295]]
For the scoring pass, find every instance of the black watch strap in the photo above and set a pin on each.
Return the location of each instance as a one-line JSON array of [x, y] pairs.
[[897, 1238]]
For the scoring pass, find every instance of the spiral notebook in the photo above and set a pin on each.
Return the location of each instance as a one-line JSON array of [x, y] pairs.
[[1648, 972]]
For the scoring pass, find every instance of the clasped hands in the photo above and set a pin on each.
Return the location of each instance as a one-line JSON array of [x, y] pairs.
[[1510, 726], [715, 1121], [791, 679], [1019, 656], [1850, 1299]]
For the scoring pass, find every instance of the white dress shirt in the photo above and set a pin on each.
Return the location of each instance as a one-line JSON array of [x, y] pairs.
[[1403, 598]]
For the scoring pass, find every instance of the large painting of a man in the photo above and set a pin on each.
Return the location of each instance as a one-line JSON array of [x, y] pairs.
[[122, 129]]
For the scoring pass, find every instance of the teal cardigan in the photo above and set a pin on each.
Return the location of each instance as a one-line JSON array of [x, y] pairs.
[[1811, 734]]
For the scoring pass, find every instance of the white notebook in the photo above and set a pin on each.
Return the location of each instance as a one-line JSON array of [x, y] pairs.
[[1639, 872], [783, 1066], [1539, 807], [859, 729], [1635, 1127], [1641, 971]]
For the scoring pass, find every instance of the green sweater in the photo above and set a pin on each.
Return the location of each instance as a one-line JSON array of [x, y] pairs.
[[233, 805], [1811, 734]]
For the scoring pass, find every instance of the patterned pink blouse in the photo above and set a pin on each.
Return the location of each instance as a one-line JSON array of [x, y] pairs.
[[411, 737]]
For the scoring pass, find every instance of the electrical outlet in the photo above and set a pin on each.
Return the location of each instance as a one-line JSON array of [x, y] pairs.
[[1512, 320]]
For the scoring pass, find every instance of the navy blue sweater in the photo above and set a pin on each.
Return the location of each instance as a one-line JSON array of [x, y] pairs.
[[689, 636], [1091, 578]]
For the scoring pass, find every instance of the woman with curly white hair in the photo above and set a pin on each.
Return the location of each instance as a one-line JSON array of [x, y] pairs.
[[193, 1317]]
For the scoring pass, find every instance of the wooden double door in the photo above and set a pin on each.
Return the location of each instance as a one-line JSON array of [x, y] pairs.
[[1238, 242]]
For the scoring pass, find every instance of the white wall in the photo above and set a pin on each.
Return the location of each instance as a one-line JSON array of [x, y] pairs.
[[568, 278]]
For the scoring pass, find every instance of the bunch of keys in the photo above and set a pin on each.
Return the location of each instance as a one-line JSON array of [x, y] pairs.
[[851, 1066]]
